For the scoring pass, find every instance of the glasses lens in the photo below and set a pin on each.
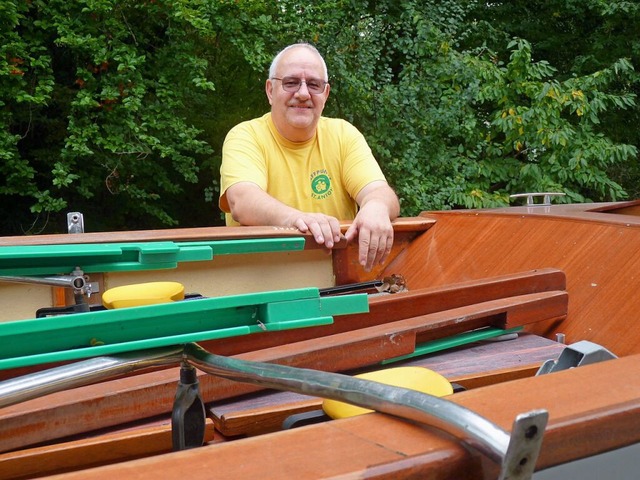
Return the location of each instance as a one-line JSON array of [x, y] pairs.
[[293, 84], [315, 86]]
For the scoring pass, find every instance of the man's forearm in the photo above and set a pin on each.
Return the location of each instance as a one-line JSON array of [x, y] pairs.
[[382, 195], [252, 206]]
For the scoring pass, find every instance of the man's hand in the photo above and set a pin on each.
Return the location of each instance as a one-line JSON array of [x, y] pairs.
[[250, 205], [324, 228], [373, 229], [372, 225]]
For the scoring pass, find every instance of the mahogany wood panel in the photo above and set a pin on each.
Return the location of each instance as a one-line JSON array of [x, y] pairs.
[[378, 446], [601, 261], [127, 399], [400, 225], [417, 301], [100, 450], [345, 261]]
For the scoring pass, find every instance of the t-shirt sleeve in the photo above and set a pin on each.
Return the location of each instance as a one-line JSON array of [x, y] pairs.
[[360, 167], [242, 161]]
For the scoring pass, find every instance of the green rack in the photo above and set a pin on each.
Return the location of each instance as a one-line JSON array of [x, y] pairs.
[[83, 335], [116, 257]]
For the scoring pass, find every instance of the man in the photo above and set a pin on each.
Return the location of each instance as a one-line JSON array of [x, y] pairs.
[[294, 168]]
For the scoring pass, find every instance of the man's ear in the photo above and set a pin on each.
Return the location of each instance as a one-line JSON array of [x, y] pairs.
[[268, 88]]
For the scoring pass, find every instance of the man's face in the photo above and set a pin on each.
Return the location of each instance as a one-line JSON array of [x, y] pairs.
[[296, 114]]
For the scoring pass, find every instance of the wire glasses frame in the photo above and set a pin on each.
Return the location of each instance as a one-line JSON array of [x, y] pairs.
[[293, 84]]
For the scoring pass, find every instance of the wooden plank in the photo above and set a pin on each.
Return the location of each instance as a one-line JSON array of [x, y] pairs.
[[378, 446], [91, 452], [597, 251], [415, 302], [127, 399], [260, 413], [181, 234], [404, 224]]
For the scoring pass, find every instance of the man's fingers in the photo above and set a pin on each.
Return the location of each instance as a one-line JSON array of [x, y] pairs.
[[325, 229], [373, 249], [387, 248]]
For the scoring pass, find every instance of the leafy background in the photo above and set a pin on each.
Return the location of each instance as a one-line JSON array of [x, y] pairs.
[[118, 109]]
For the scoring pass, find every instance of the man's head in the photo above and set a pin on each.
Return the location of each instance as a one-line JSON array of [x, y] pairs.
[[297, 90]]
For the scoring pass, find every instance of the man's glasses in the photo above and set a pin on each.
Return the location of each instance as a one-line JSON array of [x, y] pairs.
[[293, 84]]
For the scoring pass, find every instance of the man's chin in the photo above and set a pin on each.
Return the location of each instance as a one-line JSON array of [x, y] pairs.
[[301, 119]]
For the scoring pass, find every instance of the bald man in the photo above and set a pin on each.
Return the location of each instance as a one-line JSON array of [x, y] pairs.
[[293, 167]]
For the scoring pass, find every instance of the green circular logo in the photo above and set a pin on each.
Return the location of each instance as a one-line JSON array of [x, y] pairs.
[[321, 184]]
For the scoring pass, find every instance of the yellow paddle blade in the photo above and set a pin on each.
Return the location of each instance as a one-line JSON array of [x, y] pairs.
[[142, 294], [414, 378]]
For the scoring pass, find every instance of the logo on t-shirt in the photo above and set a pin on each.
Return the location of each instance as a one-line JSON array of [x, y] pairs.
[[320, 185]]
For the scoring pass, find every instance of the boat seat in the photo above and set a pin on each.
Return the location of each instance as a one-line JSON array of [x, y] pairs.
[[139, 294]]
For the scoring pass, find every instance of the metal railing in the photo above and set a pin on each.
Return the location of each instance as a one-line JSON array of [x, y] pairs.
[[515, 452]]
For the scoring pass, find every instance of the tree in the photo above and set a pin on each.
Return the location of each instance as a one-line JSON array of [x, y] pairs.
[[94, 99], [579, 38], [126, 103]]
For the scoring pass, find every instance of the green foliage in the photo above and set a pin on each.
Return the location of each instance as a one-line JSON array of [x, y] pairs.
[[124, 105], [579, 38], [98, 111]]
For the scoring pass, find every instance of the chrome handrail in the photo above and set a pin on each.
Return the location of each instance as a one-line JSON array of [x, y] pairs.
[[86, 372], [516, 452]]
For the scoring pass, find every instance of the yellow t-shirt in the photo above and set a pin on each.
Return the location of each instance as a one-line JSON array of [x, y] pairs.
[[321, 175]]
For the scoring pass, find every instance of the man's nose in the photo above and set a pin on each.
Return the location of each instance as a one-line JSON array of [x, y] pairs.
[[305, 92]]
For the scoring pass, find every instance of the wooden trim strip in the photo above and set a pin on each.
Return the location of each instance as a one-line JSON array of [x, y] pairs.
[[91, 452], [404, 224]]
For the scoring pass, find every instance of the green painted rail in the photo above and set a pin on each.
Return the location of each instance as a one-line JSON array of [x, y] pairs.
[[115, 257], [83, 335], [454, 341]]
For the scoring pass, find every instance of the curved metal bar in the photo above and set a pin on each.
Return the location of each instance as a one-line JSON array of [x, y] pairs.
[[516, 452], [82, 373], [517, 458]]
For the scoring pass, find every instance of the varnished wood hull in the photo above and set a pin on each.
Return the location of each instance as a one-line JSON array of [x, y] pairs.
[[595, 250]]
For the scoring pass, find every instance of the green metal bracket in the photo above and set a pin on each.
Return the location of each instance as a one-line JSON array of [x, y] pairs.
[[91, 334], [119, 257]]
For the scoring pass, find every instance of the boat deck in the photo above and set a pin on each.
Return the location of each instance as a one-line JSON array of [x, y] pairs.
[[568, 270]]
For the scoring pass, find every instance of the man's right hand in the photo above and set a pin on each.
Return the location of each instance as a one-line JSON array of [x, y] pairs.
[[250, 205], [324, 228]]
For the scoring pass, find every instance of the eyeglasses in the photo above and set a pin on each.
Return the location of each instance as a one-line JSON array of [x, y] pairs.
[[293, 84]]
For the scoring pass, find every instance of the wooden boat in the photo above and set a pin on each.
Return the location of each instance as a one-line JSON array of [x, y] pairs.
[[564, 277]]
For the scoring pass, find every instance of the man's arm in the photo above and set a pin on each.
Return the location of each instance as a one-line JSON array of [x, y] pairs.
[[379, 206], [250, 205]]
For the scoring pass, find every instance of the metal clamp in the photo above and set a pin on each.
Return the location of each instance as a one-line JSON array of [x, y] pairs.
[[188, 419], [76, 280], [75, 222], [576, 355]]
